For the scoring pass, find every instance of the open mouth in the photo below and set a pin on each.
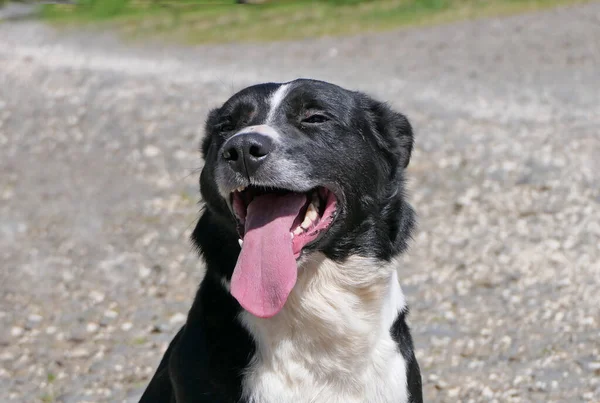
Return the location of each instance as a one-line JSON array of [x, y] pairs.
[[274, 226], [314, 216]]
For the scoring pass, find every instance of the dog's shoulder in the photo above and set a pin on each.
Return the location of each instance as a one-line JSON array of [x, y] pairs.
[[206, 360]]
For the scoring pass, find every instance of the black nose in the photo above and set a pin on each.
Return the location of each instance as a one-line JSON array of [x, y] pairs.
[[246, 152]]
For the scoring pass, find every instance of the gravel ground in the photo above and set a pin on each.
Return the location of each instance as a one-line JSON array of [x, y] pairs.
[[99, 162]]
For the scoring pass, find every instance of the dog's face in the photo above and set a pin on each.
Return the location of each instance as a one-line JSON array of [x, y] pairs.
[[305, 166]]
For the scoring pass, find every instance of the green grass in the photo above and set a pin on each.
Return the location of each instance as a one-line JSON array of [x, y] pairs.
[[206, 21], [50, 377], [139, 341], [47, 398]]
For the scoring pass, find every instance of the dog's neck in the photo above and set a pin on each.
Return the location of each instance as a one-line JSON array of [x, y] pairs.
[[335, 321]]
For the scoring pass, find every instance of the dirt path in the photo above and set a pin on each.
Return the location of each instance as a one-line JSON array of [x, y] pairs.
[[98, 194]]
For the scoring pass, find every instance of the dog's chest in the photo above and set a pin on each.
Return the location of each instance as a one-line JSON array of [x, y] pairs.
[[383, 381], [330, 344]]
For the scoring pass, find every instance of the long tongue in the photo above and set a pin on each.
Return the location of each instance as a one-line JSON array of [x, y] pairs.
[[266, 269]]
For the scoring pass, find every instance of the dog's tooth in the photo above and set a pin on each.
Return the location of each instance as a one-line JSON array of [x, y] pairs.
[[307, 222], [240, 189], [240, 242], [297, 231], [311, 213], [292, 235]]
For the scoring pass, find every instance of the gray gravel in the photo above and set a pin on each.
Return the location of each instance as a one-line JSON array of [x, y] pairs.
[[98, 194]]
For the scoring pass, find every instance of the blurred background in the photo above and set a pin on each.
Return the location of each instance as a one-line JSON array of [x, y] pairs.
[[102, 106]]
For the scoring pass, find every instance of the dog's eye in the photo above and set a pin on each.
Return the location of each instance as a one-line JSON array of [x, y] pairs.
[[225, 125], [315, 118]]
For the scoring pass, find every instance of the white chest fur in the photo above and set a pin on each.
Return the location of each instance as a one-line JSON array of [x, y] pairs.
[[331, 343]]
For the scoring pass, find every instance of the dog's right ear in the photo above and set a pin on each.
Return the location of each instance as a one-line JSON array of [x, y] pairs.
[[211, 122]]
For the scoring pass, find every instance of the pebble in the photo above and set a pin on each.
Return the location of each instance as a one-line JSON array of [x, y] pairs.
[[177, 318], [34, 318], [16, 331], [111, 314], [78, 353], [151, 151]]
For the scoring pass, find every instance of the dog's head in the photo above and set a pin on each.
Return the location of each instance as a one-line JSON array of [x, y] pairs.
[[295, 168]]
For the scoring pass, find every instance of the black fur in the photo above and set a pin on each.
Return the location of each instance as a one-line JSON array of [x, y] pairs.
[[401, 335], [359, 151]]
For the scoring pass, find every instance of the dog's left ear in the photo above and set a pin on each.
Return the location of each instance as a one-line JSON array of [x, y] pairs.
[[211, 121], [395, 133]]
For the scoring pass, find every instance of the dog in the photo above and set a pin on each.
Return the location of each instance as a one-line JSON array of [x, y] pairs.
[[304, 218]]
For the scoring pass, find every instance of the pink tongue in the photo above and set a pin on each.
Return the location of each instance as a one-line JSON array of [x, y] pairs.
[[266, 269]]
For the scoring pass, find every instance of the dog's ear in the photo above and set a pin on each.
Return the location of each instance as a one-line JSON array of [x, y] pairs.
[[211, 122], [395, 134], [215, 240]]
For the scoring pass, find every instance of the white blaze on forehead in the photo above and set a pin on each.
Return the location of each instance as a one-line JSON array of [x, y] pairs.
[[275, 100]]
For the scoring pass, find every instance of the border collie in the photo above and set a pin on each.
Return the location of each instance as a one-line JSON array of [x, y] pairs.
[[304, 219]]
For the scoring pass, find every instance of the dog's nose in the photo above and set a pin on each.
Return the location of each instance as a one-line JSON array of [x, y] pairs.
[[245, 152]]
